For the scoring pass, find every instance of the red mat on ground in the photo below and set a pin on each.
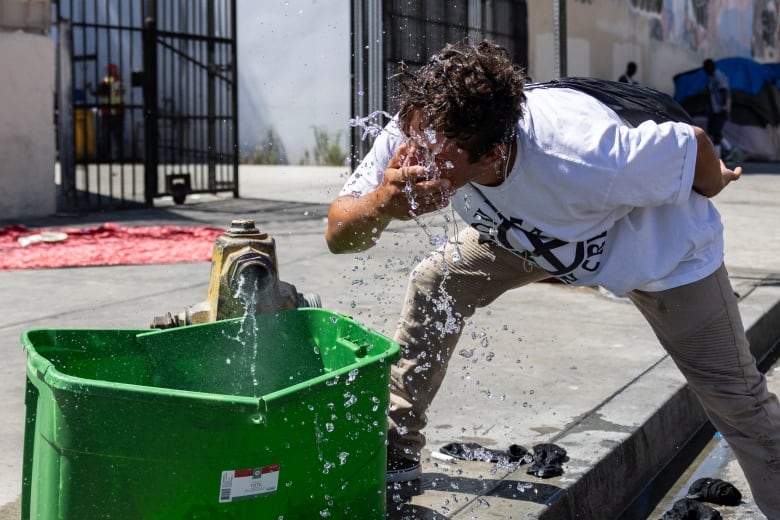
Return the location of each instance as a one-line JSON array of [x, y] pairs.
[[107, 244]]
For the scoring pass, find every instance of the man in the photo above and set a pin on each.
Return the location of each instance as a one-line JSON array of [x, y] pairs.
[[628, 75], [718, 104], [554, 182], [110, 93]]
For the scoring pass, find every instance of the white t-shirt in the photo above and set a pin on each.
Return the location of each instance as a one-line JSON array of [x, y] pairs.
[[590, 199]]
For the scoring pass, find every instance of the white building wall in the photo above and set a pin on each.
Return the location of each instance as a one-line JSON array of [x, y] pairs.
[[27, 147], [663, 38]]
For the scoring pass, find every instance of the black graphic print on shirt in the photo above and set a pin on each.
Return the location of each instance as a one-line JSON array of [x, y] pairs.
[[569, 262]]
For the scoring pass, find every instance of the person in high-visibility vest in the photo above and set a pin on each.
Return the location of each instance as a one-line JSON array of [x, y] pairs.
[[111, 98]]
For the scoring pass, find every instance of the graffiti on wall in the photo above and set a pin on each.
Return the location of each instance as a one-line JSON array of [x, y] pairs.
[[765, 29], [715, 27]]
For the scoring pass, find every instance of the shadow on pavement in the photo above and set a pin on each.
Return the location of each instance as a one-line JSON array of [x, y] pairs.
[[457, 492]]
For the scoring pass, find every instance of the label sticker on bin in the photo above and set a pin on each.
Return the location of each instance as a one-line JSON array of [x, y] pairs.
[[245, 483]]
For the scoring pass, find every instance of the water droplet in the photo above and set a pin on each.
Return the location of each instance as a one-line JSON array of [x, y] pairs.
[[457, 259], [350, 400], [437, 241], [466, 353]]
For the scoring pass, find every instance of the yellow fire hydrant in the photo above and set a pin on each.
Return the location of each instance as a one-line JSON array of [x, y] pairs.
[[244, 279]]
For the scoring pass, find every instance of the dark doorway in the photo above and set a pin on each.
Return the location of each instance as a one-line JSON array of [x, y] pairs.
[[146, 101]]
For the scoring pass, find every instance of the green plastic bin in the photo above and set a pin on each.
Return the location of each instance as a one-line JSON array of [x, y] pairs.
[[282, 418]]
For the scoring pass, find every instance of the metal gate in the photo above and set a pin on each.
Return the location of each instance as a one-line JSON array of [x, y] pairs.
[[146, 101], [389, 31]]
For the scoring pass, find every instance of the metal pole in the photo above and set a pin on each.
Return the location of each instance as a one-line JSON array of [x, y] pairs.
[[478, 26], [367, 69], [559, 36], [151, 109], [211, 99], [358, 101], [234, 92]]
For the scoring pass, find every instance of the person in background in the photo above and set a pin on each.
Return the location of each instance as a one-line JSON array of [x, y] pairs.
[[553, 182], [718, 106], [111, 99], [628, 75]]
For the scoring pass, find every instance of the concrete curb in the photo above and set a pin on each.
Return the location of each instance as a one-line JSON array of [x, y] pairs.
[[632, 436]]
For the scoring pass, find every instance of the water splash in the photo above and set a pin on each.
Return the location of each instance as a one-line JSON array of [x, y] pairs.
[[370, 124], [247, 293], [373, 126]]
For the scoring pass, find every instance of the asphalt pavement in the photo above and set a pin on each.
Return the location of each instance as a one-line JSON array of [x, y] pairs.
[[543, 364]]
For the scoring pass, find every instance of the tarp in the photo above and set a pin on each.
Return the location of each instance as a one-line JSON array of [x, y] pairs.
[[107, 244], [754, 127]]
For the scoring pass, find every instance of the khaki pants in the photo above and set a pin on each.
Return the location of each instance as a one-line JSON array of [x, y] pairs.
[[698, 324]]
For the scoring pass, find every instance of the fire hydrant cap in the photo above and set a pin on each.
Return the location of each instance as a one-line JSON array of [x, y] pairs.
[[243, 227]]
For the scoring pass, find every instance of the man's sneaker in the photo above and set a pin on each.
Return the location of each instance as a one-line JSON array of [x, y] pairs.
[[401, 469]]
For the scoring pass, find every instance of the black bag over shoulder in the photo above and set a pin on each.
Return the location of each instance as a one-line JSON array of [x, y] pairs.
[[634, 103]]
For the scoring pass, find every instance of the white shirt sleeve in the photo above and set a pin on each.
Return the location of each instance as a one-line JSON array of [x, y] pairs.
[[655, 164], [368, 175], [579, 156]]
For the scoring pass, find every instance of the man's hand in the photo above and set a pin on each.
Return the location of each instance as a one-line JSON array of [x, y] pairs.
[[408, 189], [355, 223], [727, 175], [711, 174]]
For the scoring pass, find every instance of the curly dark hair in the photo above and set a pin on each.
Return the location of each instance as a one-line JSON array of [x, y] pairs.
[[472, 93]]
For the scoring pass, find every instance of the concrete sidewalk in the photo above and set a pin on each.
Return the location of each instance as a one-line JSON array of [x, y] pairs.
[[545, 363]]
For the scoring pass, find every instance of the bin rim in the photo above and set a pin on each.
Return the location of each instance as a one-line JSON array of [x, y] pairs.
[[391, 353], [331, 375], [41, 369]]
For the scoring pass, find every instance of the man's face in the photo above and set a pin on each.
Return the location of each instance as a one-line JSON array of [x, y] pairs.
[[440, 155]]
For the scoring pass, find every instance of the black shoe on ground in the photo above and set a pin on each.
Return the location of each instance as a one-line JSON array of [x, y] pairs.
[[401, 469]]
